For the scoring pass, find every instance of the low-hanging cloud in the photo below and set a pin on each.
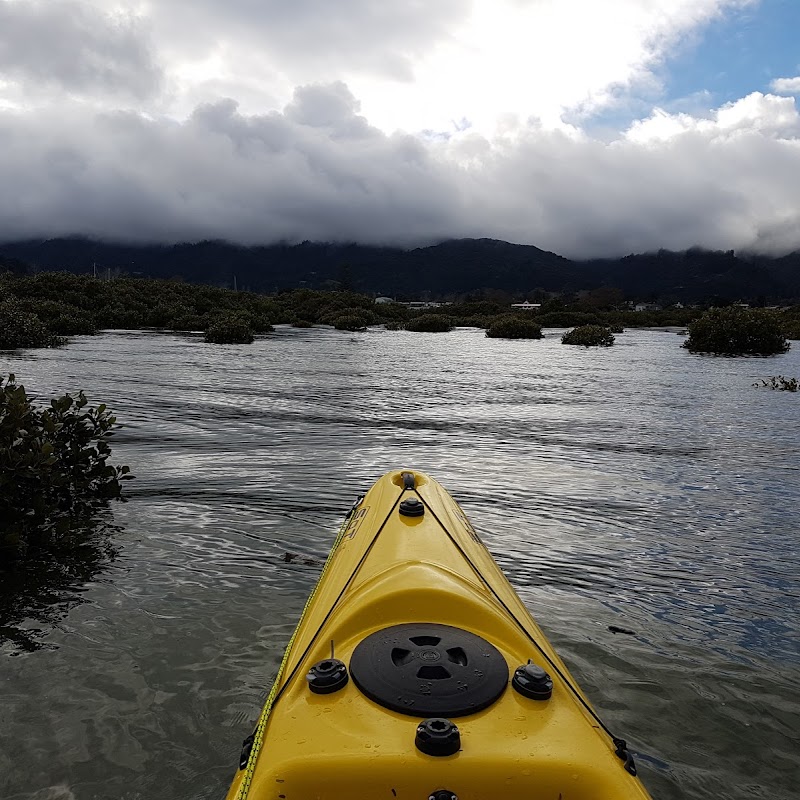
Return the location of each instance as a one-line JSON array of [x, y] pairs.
[[318, 170]]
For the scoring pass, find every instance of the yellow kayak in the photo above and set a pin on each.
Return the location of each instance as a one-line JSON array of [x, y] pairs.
[[417, 673]]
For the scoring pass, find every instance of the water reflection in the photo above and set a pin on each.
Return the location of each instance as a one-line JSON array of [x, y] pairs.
[[639, 487], [40, 589]]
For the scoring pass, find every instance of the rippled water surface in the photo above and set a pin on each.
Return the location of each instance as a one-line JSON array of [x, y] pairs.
[[640, 487]]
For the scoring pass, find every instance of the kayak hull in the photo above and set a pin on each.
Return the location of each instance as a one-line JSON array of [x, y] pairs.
[[392, 575]]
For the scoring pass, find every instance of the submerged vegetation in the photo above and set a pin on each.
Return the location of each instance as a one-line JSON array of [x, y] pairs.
[[589, 336], [780, 383], [54, 471], [736, 331]]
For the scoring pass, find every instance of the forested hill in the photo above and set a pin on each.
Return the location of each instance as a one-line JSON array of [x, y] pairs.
[[452, 267]]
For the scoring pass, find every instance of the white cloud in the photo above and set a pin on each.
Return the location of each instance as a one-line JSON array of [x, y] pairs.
[[786, 85], [417, 64], [767, 114], [538, 58]]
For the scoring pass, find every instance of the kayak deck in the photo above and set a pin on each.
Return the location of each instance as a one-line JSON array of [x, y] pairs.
[[412, 607]]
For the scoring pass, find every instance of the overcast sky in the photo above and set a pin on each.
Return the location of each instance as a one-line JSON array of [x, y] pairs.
[[587, 128]]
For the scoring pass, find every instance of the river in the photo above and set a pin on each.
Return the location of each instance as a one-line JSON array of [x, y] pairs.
[[638, 487]]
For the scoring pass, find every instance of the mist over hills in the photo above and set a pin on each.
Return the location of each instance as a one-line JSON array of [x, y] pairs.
[[449, 268]]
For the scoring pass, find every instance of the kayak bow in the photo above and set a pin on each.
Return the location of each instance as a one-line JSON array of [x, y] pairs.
[[417, 672]]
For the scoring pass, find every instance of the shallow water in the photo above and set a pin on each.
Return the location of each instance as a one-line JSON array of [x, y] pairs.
[[640, 486]]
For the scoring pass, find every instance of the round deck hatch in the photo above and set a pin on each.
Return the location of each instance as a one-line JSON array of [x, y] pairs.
[[429, 670]]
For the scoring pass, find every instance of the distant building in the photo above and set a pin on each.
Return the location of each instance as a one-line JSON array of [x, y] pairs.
[[381, 300], [416, 305], [526, 306], [647, 307]]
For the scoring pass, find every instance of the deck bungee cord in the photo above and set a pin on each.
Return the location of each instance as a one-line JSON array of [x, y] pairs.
[[621, 745], [251, 747]]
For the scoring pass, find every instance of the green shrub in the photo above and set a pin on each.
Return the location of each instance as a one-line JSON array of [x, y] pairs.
[[366, 315], [614, 328], [187, 321], [478, 321], [350, 322], [589, 336], [229, 329], [302, 323], [260, 323], [737, 331], [791, 328], [566, 319], [393, 312], [61, 318], [53, 469], [23, 329], [513, 327], [429, 323]]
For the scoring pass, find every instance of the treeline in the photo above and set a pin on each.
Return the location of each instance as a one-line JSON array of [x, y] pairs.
[[36, 310]]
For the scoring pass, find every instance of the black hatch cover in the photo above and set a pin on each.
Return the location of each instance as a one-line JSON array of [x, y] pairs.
[[429, 670]]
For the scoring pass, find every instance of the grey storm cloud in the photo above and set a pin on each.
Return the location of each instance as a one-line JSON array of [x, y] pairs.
[[318, 170], [73, 47], [368, 35]]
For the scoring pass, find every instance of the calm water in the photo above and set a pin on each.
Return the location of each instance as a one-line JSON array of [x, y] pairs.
[[639, 486]]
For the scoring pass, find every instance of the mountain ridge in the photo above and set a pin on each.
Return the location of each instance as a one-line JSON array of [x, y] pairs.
[[451, 267]]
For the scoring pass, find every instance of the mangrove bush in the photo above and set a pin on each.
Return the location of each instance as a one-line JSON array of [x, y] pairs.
[[229, 328], [513, 327], [19, 328], [736, 331], [350, 322], [54, 470], [589, 336], [429, 323]]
